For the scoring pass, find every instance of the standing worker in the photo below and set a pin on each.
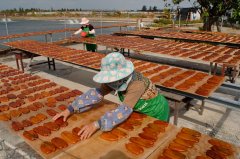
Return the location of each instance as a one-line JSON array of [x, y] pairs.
[[136, 93], [87, 30]]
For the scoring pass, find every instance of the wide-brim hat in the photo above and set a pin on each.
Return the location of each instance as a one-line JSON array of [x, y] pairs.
[[114, 67], [84, 21]]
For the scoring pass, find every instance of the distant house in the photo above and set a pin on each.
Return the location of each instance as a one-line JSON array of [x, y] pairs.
[[189, 14]]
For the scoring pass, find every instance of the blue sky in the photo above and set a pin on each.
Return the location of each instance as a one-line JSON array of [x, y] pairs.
[[85, 4]]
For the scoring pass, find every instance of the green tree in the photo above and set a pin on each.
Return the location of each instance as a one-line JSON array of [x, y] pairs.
[[236, 11], [211, 10], [166, 13], [144, 8], [155, 8]]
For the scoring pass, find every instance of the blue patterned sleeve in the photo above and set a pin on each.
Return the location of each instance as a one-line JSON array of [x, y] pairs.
[[112, 118], [86, 101]]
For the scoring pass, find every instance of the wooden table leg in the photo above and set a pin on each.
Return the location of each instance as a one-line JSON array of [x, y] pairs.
[[210, 68], [202, 107], [21, 61], [235, 74], [223, 70], [215, 69], [53, 61], [49, 64], [123, 50], [16, 57]]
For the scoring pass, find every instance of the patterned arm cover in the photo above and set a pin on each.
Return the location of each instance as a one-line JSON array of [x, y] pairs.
[[86, 101], [112, 118]]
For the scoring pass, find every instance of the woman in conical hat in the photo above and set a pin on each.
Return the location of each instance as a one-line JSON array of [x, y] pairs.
[[136, 93], [87, 30]]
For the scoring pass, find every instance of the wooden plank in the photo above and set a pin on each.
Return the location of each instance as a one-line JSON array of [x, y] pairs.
[[189, 37], [93, 61], [147, 46], [199, 149], [107, 149], [95, 147]]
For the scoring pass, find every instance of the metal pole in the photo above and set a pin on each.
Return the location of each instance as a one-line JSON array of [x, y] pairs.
[[65, 25], [51, 37], [179, 16], [6, 25], [101, 21], [221, 22], [128, 20], [179, 21]]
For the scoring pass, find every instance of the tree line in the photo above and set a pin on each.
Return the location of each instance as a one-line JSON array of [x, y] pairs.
[[150, 8]]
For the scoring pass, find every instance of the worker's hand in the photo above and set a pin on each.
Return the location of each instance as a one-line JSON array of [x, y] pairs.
[[87, 131], [63, 114]]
